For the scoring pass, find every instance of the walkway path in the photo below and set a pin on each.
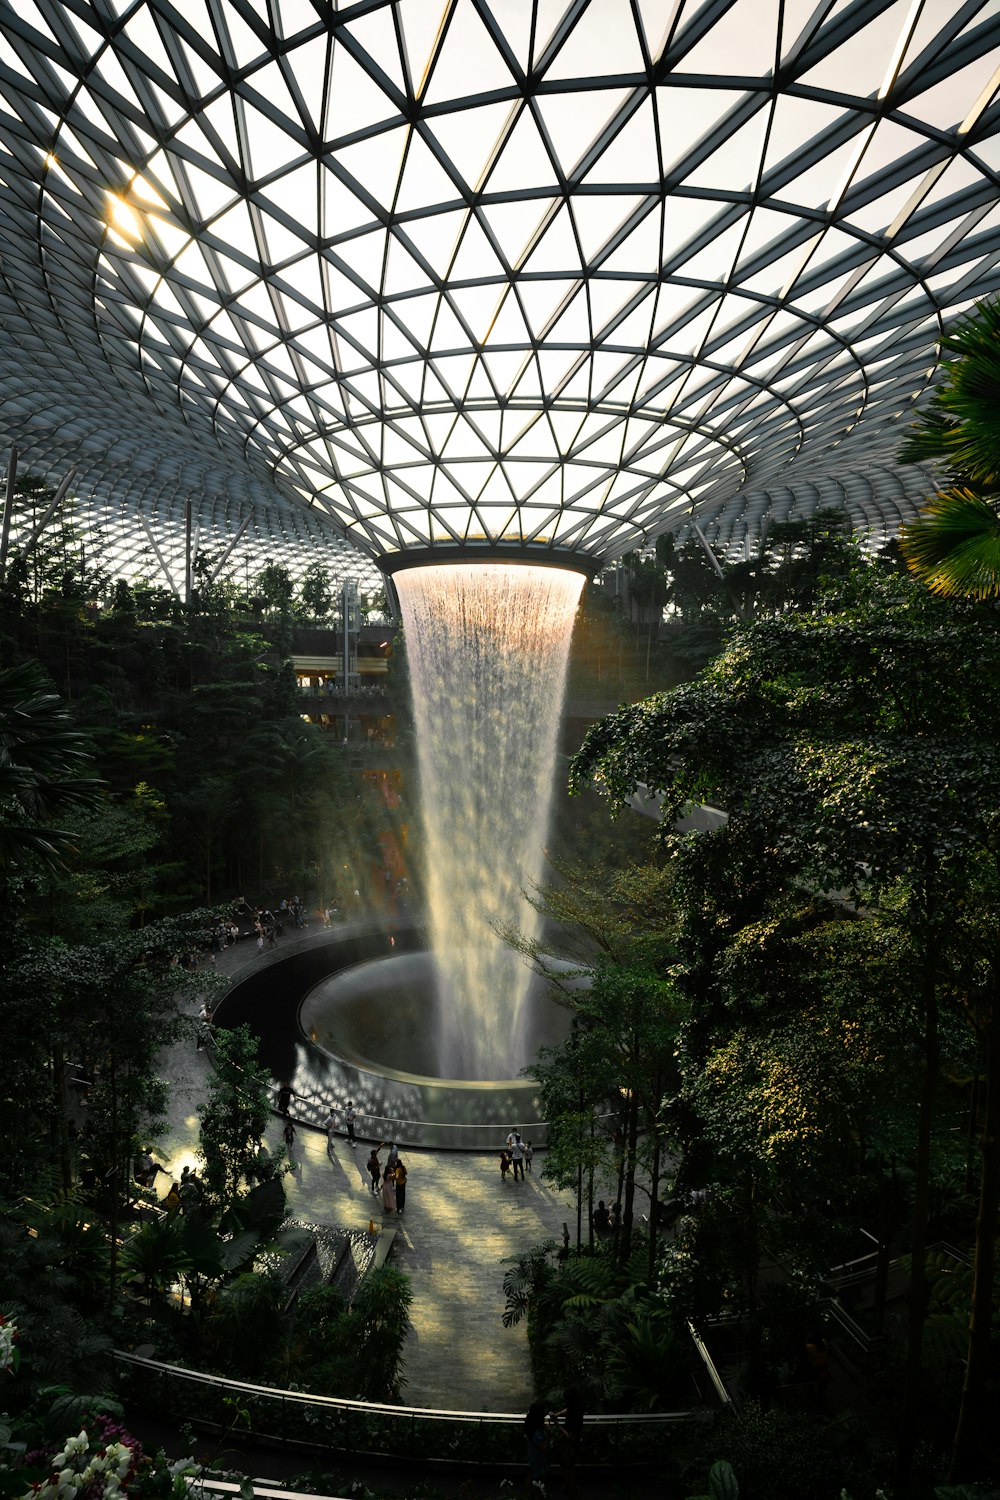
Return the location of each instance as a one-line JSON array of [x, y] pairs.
[[460, 1226]]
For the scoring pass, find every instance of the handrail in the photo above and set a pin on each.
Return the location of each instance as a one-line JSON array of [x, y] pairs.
[[376, 1408], [362, 1429]]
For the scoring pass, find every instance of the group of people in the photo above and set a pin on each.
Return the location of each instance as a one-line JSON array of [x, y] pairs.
[[183, 1195], [515, 1156], [391, 1178], [554, 1437]]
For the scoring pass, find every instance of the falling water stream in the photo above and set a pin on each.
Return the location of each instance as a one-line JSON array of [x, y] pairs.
[[488, 645]]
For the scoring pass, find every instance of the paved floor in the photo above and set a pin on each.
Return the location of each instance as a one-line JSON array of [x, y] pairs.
[[460, 1226]]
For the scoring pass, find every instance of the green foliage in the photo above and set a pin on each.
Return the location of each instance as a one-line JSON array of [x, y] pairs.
[[722, 1483], [234, 1116], [45, 769], [596, 1326], [953, 545]]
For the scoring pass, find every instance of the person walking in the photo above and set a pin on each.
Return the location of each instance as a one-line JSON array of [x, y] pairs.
[[375, 1169], [349, 1118], [389, 1190], [401, 1174]]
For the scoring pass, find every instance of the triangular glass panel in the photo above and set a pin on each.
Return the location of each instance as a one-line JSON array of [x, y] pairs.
[[453, 370], [735, 165], [477, 305], [341, 211], [514, 224], [361, 329], [365, 255], [557, 249], [816, 186], [425, 181], [469, 138], [541, 299], [597, 217], [466, 40], [685, 116], [211, 195], [742, 44], [859, 64], [634, 330], [573, 121], [377, 35], [436, 236], [476, 256], [375, 164], [271, 89], [524, 162], [416, 314], [795, 124], [632, 155], [603, 41], [307, 65], [296, 193], [394, 343], [447, 330], [554, 364], [282, 244], [355, 101], [421, 23], [657, 22], [219, 116], [607, 297], [402, 274], [715, 261], [271, 148], [573, 324], [639, 252], [503, 367]]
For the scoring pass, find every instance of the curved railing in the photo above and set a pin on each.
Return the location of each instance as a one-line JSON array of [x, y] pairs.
[[295, 1418]]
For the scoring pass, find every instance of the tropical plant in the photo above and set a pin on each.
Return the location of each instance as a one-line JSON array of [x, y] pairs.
[[45, 765], [953, 545]]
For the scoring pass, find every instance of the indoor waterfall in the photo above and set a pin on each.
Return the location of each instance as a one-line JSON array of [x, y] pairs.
[[488, 645]]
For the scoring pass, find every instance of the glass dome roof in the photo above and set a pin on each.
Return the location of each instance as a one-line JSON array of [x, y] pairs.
[[533, 272]]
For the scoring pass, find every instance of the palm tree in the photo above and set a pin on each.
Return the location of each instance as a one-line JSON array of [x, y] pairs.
[[43, 764], [953, 546]]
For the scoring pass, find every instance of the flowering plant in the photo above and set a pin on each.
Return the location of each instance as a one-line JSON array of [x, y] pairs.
[[103, 1464], [10, 1355]]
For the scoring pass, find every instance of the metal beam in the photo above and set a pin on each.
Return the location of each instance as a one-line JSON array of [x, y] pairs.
[[8, 506], [158, 554], [50, 510]]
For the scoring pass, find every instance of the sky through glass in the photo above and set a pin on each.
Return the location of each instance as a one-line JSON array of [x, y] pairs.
[[519, 271]]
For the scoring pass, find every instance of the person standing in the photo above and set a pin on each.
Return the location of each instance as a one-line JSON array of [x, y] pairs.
[[389, 1190], [536, 1441], [349, 1118], [528, 1154], [204, 1025], [330, 1126], [375, 1169], [516, 1147], [569, 1422], [400, 1186]]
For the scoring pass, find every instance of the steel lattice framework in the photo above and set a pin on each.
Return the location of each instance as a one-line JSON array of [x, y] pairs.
[[557, 273]]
